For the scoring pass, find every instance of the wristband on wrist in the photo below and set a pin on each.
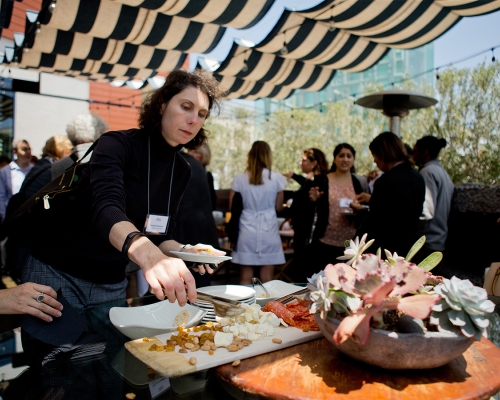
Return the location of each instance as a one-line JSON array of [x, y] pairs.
[[184, 247], [128, 242]]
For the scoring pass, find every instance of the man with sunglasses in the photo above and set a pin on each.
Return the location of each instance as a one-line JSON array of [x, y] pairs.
[[12, 176]]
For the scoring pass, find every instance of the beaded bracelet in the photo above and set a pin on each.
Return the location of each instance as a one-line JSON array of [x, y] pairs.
[[128, 242]]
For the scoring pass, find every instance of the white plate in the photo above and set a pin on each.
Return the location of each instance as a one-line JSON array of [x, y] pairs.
[[231, 292], [151, 320], [201, 303], [276, 290], [200, 258]]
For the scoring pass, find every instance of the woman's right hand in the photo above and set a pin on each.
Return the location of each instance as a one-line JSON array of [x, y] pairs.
[[288, 175], [314, 193], [169, 277]]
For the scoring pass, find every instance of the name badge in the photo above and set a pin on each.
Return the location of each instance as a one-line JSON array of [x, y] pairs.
[[345, 202], [156, 224]]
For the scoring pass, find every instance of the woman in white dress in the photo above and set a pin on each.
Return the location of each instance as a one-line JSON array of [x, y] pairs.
[[259, 243]]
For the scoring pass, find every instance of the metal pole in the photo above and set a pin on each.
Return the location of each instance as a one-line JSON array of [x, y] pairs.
[[395, 125]]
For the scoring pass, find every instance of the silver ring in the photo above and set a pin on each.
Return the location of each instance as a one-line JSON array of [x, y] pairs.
[[40, 298]]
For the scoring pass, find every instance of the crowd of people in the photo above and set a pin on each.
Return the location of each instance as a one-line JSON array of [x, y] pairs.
[[394, 205]]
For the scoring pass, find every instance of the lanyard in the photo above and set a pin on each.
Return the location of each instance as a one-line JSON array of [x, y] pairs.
[[149, 176]]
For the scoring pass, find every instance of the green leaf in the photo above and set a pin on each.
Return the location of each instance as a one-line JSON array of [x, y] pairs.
[[415, 248], [431, 261]]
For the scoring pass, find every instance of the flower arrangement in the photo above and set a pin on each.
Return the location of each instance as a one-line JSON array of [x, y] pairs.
[[367, 291]]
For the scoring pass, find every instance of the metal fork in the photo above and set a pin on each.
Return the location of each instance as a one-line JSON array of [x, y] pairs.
[[289, 297], [222, 307]]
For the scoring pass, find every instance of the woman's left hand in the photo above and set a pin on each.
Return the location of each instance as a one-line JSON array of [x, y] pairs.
[[197, 249]]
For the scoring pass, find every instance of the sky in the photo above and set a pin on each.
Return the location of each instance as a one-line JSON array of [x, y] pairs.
[[469, 36]]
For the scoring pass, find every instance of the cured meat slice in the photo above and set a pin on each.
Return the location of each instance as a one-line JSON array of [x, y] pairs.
[[295, 314], [280, 311]]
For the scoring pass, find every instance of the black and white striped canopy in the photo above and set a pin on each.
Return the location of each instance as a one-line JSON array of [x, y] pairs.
[[350, 35], [122, 40]]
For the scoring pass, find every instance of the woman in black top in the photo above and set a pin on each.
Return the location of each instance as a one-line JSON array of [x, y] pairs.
[[397, 200], [313, 163], [134, 180]]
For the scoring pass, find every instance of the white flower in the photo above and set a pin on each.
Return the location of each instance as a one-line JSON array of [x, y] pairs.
[[355, 249], [313, 280], [392, 259], [322, 299]]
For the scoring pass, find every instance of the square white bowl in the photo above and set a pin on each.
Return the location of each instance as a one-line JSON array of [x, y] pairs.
[[276, 290], [151, 320]]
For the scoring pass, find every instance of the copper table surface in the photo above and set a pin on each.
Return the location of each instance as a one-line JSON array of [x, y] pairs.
[[317, 370]]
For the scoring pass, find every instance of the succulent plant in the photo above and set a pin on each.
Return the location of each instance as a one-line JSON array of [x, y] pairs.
[[380, 286], [462, 307]]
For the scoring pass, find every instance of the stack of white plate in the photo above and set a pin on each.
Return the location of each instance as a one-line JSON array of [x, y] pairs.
[[231, 292]]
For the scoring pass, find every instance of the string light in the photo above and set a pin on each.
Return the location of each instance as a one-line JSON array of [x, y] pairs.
[[244, 68], [493, 55], [38, 30], [437, 73], [52, 6], [331, 28], [284, 49]]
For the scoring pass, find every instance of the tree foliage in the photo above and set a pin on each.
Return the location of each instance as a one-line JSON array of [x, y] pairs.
[[467, 116]]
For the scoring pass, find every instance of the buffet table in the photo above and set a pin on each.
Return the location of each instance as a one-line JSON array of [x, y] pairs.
[[312, 370]]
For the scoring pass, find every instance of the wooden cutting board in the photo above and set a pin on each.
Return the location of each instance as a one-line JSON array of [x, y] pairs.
[[172, 364]]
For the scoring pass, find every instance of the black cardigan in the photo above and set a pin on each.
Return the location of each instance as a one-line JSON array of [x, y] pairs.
[[395, 208], [303, 210], [113, 188]]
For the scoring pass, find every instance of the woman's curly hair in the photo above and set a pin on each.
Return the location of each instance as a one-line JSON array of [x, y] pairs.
[[176, 82]]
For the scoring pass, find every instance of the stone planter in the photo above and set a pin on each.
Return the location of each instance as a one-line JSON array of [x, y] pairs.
[[392, 350]]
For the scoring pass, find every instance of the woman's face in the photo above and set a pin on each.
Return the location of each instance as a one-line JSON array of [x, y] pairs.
[[344, 160], [183, 116], [307, 165]]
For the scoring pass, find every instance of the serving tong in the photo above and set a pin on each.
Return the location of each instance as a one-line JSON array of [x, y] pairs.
[[222, 307], [258, 282]]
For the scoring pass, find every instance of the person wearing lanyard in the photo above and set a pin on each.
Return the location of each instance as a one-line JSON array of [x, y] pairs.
[[128, 199]]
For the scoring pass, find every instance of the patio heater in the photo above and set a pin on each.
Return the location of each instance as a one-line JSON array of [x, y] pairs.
[[395, 104]]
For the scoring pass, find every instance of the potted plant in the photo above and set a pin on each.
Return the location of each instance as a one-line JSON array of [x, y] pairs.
[[395, 314]]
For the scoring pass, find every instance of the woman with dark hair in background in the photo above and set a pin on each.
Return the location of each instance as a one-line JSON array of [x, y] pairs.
[[332, 194], [261, 190], [397, 199], [438, 194], [313, 163]]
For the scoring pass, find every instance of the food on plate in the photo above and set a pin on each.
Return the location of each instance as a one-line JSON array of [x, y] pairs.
[[130, 396], [222, 339], [145, 339], [281, 311], [192, 361], [181, 319], [277, 341], [236, 363], [205, 251], [295, 314]]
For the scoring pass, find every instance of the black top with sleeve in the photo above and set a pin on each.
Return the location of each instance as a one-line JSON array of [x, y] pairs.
[[113, 188], [395, 208]]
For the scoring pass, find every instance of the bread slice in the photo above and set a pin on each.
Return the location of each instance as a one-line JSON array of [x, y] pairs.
[[182, 318]]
